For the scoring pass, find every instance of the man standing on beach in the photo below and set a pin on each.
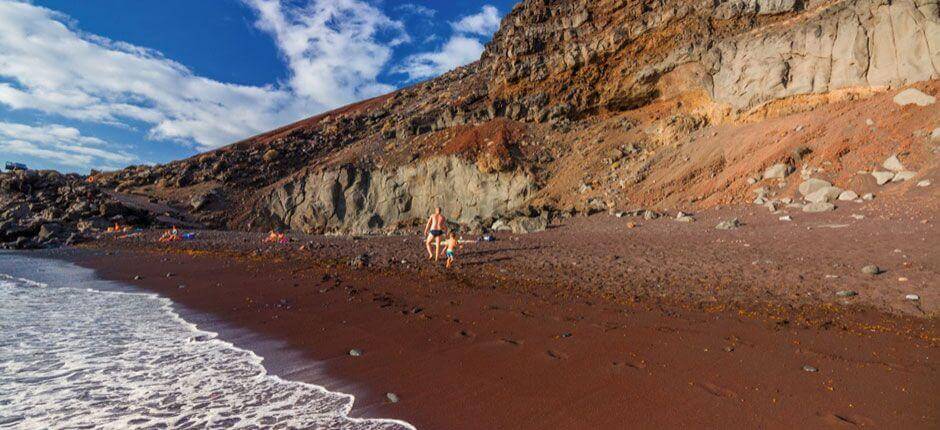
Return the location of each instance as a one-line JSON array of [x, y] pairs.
[[434, 230]]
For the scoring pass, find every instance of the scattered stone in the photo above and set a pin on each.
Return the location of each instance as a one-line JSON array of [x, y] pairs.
[[730, 224], [684, 217], [523, 225], [869, 122], [760, 201], [915, 97], [868, 197], [893, 164], [500, 225], [650, 215], [824, 195], [751, 181], [778, 171], [819, 207], [785, 218], [903, 176], [360, 261], [924, 183], [846, 293], [848, 195], [137, 277], [355, 352], [871, 269], [857, 216], [392, 397], [882, 178], [811, 185], [809, 368], [902, 279], [786, 200], [181, 286], [170, 275], [912, 297]]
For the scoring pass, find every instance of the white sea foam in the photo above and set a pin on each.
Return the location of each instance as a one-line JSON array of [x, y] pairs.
[[81, 358]]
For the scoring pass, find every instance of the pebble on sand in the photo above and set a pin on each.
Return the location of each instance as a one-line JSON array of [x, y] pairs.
[[871, 269], [392, 397], [912, 297], [809, 368], [355, 352], [730, 224]]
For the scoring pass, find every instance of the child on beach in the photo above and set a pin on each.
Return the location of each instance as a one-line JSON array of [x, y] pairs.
[[450, 247]]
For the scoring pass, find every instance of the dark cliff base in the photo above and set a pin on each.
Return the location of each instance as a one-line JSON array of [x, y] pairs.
[[518, 338]]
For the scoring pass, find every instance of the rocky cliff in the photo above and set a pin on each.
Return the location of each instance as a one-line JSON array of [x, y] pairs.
[[587, 105]]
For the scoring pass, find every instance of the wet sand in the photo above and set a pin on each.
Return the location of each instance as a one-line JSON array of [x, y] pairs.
[[474, 349]]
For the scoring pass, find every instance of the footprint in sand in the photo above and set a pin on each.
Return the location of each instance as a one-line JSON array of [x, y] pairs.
[[558, 355], [716, 390], [847, 421]]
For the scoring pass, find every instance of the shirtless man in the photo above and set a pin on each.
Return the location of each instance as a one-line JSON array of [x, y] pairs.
[[435, 229]]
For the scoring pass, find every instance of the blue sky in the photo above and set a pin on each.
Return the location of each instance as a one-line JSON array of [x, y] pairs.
[[102, 84]]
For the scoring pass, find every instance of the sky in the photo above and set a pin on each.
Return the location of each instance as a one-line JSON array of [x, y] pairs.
[[103, 84]]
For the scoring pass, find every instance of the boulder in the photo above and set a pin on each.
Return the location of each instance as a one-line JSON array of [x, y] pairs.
[[730, 224], [893, 164], [882, 178], [903, 176], [824, 195], [522, 225], [49, 231], [778, 171], [848, 195], [811, 185], [913, 96], [500, 225], [818, 207], [270, 155]]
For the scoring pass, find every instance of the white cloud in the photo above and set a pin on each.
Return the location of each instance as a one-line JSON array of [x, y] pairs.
[[458, 50], [483, 24], [60, 144], [463, 47], [416, 9], [334, 48]]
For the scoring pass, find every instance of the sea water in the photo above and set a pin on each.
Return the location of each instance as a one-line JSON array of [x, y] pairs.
[[74, 354]]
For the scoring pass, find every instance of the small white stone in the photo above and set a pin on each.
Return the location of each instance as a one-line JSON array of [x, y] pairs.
[[924, 183], [912, 297]]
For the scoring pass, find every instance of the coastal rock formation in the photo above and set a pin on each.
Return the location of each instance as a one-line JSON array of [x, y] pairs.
[[351, 199], [46, 208], [583, 106]]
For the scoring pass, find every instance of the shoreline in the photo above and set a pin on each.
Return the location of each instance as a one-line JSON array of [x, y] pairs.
[[460, 355]]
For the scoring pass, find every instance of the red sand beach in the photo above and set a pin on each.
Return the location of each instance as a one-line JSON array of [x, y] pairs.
[[487, 347]]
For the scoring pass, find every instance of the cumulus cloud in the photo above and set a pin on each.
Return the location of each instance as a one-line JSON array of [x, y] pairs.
[[60, 144], [484, 23], [335, 49], [458, 51], [464, 46], [48, 66]]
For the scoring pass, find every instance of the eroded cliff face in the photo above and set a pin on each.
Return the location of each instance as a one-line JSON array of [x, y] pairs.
[[586, 56], [350, 199], [591, 99]]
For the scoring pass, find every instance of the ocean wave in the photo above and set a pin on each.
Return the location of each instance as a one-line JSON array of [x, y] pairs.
[[75, 357]]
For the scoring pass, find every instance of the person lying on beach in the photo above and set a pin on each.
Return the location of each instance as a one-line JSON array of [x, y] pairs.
[[450, 247], [172, 235], [434, 230], [275, 237]]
